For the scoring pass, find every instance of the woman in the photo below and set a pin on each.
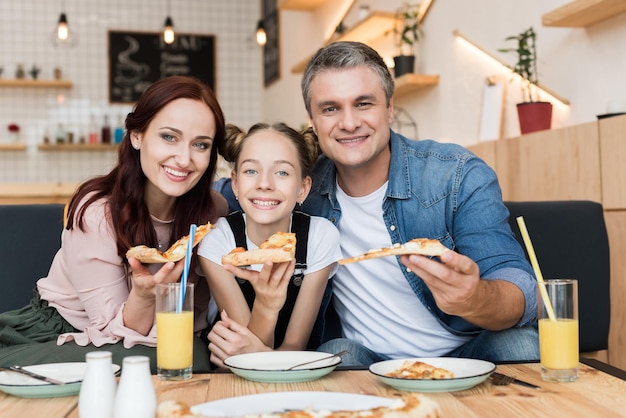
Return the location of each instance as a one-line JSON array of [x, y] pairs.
[[272, 306], [93, 297]]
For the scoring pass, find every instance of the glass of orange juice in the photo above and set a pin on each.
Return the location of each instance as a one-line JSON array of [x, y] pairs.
[[558, 336], [174, 321]]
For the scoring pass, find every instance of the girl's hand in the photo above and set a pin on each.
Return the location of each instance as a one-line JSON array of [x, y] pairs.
[[270, 284], [228, 338]]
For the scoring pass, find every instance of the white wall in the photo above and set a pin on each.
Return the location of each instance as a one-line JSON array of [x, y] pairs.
[[26, 30], [584, 65]]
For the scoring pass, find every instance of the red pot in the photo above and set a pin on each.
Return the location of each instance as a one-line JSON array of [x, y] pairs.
[[534, 116]]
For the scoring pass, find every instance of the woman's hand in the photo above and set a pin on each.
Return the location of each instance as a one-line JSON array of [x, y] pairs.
[[139, 308], [144, 282], [228, 338], [270, 284]]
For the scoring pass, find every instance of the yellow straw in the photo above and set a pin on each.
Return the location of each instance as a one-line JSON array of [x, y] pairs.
[[535, 264]]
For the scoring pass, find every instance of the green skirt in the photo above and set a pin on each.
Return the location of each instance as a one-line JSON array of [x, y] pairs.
[[28, 336]]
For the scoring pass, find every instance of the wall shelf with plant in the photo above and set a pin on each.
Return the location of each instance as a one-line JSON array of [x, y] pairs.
[[375, 25], [408, 83], [534, 114]]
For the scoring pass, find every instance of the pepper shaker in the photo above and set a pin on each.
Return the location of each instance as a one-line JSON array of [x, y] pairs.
[[136, 397], [97, 390]]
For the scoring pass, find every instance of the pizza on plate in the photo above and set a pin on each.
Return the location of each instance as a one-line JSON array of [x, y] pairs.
[[176, 252], [412, 405], [278, 248], [422, 246], [420, 370]]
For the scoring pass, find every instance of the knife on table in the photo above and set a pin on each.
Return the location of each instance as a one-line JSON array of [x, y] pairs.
[[20, 369]]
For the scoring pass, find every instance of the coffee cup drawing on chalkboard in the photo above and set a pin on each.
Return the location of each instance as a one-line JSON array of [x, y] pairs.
[[127, 71]]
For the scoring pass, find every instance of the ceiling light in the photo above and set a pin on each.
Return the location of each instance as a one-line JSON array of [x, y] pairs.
[[261, 35], [63, 32], [168, 30]]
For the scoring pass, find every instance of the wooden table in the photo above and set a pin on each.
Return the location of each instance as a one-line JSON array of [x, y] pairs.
[[597, 393]]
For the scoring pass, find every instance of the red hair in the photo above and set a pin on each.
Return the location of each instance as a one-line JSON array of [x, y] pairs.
[[124, 186]]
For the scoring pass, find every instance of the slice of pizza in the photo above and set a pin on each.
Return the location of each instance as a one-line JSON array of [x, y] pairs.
[[176, 252], [278, 248], [412, 405], [422, 246], [420, 370]]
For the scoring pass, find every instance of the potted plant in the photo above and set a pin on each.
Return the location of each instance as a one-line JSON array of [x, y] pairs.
[[534, 115], [407, 33]]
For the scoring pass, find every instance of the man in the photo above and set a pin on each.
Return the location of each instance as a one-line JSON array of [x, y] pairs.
[[380, 188]]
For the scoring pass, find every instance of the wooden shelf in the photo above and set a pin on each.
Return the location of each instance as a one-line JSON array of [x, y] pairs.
[[373, 26], [300, 4], [12, 147], [77, 147], [24, 82], [411, 82], [583, 13]]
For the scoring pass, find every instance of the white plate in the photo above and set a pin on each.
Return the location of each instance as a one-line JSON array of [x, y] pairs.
[[263, 403], [467, 373], [27, 387], [270, 366]]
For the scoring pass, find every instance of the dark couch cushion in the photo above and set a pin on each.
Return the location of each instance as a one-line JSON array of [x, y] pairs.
[[30, 236], [570, 241]]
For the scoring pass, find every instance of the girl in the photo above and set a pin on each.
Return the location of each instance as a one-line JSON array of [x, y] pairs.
[[273, 306], [94, 297]]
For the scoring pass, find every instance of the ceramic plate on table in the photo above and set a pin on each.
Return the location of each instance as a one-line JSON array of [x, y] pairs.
[[265, 403], [467, 374], [270, 367], [23, 386]]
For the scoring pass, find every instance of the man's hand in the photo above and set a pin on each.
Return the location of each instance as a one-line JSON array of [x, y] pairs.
[[458, 290]]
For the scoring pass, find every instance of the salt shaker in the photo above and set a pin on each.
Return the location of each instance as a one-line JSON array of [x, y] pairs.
[[97, 390], [135, 396]]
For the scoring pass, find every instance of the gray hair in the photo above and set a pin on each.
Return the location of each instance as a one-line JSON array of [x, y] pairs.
[[340, 55]]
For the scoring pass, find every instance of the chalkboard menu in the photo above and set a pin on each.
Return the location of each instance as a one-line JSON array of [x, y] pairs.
[[138, 59], [271, 49]]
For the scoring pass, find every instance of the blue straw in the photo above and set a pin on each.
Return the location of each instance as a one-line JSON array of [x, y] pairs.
[[183, 280]]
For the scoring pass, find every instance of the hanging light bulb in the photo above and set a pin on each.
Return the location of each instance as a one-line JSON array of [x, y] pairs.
[[168, 32], [62, 35], [261, 35], [63, 32]]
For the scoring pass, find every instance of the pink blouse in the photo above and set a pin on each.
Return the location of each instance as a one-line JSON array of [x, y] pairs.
[[88, 284]]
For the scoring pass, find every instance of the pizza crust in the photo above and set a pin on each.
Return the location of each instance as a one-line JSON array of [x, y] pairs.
[[279, 248], [413, 405], [177, 251], [421, 246]]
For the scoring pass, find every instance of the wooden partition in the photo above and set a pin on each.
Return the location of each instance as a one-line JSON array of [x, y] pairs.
[[583, 162]]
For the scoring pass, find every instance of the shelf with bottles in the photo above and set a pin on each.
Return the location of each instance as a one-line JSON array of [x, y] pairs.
[[25, 82], [13, 147], [77, 147]]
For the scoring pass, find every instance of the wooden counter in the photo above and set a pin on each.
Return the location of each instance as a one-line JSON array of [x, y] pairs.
[[20, 193]]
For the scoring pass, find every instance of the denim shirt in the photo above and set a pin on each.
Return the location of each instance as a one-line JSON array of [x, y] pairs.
[[444, 192]]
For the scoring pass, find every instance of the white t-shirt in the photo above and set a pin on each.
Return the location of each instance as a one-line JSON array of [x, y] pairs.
[[375, 302], [322, 247]]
